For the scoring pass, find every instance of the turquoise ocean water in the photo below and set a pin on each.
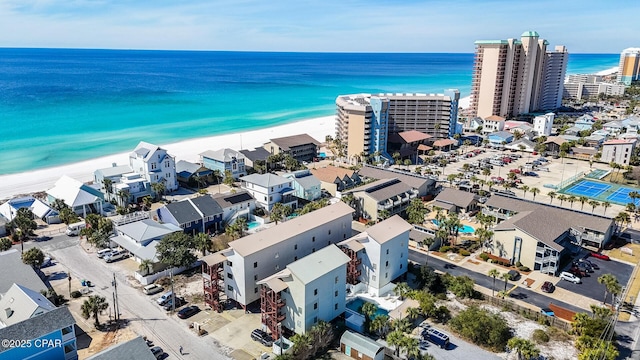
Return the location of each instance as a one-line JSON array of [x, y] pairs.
[[60, 106]]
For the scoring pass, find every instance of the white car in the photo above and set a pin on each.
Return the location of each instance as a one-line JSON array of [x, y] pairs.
[[570, 277]]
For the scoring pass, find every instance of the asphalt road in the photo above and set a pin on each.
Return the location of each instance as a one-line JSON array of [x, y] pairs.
[[519, 293], [145, 318], [590, 286]]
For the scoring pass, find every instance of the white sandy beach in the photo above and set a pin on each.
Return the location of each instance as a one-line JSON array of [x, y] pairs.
[[41, 180], [609, 71]]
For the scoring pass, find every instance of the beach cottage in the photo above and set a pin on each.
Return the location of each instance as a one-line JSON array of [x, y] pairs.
[[225, 160], [81, 198]]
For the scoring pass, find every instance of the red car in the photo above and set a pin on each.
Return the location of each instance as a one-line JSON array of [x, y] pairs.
[[515, 171], [600, 256], [506, 160]]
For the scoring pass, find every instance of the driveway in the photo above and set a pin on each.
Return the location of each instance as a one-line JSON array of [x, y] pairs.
[[590, 286]]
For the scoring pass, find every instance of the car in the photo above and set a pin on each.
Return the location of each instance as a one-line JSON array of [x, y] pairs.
[[164, 298], [168, 306], [515, 275], [152, 289], [530, 173], [188, 312], [102, 253], [543, 160], [600, 256], [515, 171], [157, 352], [116, 256], [547, 311], [566, 276], [590, 263], [46, 262], [578, 272], [547, 287], [583, 266], [261, 337]]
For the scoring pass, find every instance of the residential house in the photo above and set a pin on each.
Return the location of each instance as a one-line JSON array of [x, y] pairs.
[[632, 124], [3, 225], [573, 131], [301, 147], [233, 272], [570, 137], [192, 174], [493, 123], [500, 137], [473, 123], [225, 160], [335, 179], [585, 122], [308, 290], [154, 164], [134, 349], [269, 189], [553, 144], [306, 185], [126, 185], [618, 151], [113, 174], [585, 153], [543, 124], [378, 256], [522, 145], [601, 132], [234, 205], [193, 215], [519, 235], [13, 270], [256, 156], [10, 208], [406, 143], [382, 197], [358, 346], [140, 238], [81, 198], [594, 140], [613, 127], [30, 318], [458, 201], [422, 184]]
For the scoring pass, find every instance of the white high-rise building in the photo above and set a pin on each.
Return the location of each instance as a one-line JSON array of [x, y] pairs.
[[542, 124]]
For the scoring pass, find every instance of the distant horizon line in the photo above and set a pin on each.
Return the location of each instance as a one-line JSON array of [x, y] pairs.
[[258, 51]]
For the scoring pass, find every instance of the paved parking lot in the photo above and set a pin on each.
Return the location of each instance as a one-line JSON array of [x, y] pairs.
[[590, 286]]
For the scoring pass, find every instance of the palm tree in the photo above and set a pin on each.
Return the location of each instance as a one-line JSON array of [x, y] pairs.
[[203, 242], [146, 202], [506, 277], [396, 339], [552, 195], [108, 187], [611, 285], [413, 313], [123, 196], [93, 306], [401, 290], [562, 198], [242, 225], [534, 191], [594, 204], [524, 188], [145, 266], [486, 172], [380, 325], [383, 214], [631, 207], [582, 199], [158, 188], [494, 273], [571, 199], [524, 348], [605, 205]]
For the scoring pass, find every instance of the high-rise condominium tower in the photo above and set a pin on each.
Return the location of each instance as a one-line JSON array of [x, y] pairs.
[[629, 67], [512, 77]]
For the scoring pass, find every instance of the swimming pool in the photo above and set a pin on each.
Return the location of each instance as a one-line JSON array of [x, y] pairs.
[[465, 229], [356, 305], [253, 225]]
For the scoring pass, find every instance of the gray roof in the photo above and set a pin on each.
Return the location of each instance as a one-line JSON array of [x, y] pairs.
[[319, 263], [22, 303], [185, 168], [135, 349], [145, 149], [287, 142], [256, 154], [147, 229], [284, 231], [383, 189], [567, 217], [207, 205], [222, 155], [228, 200], [389, 229], [265, 180], [361, 343], [415, 181], [13, 270], [188, 210], [418, 236], [114, 171], [530, 222], [38, 326], [304, 178], [145, 252], [456, 197]]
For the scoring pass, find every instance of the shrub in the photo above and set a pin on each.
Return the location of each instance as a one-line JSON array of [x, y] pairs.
[[518, 264], [163, 281], [494, 261], [540, 336], [484, 256], [524, 268], [464, 252], [444, 249], [5, 244], [75, 294], [482, 327]]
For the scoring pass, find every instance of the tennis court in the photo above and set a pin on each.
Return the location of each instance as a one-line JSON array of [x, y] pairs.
[[600, 191]]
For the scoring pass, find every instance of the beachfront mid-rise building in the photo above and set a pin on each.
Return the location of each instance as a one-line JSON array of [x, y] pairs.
[[512, 77], [578, 87], [154, 164], [629, 66], [364, 122], [618, 151], [234, 272], [301, 147]]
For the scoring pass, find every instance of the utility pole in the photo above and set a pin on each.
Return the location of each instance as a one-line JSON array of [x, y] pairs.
[[116, 307], [173, 294], [69, 277]]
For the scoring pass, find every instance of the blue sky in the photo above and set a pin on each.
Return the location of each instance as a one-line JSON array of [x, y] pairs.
[[587, 26]]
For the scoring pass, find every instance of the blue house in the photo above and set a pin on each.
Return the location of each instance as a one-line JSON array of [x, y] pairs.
[[305, 184], [187, 172], [200, 214], [30, 318], [223, 160], [585, 122], [499, 137]]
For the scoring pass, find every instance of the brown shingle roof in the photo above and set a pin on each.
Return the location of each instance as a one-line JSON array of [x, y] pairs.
[[330, 173], [287, 142], [556, 140], [494, 118], [457, 197], [443, 142]]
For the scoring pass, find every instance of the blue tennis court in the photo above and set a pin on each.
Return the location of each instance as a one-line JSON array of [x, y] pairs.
[[588, 188], [600, 191]]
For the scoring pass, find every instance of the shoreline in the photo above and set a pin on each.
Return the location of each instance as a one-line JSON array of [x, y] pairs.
[[44, 179]]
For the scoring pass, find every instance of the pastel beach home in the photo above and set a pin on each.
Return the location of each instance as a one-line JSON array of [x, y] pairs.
[[81, 198], [224, 160], [154, 164]]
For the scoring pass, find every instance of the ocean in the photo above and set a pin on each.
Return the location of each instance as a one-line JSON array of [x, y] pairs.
[[60, 106]]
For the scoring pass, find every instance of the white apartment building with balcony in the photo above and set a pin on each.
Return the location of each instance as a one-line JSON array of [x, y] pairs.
[[618, 151]]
